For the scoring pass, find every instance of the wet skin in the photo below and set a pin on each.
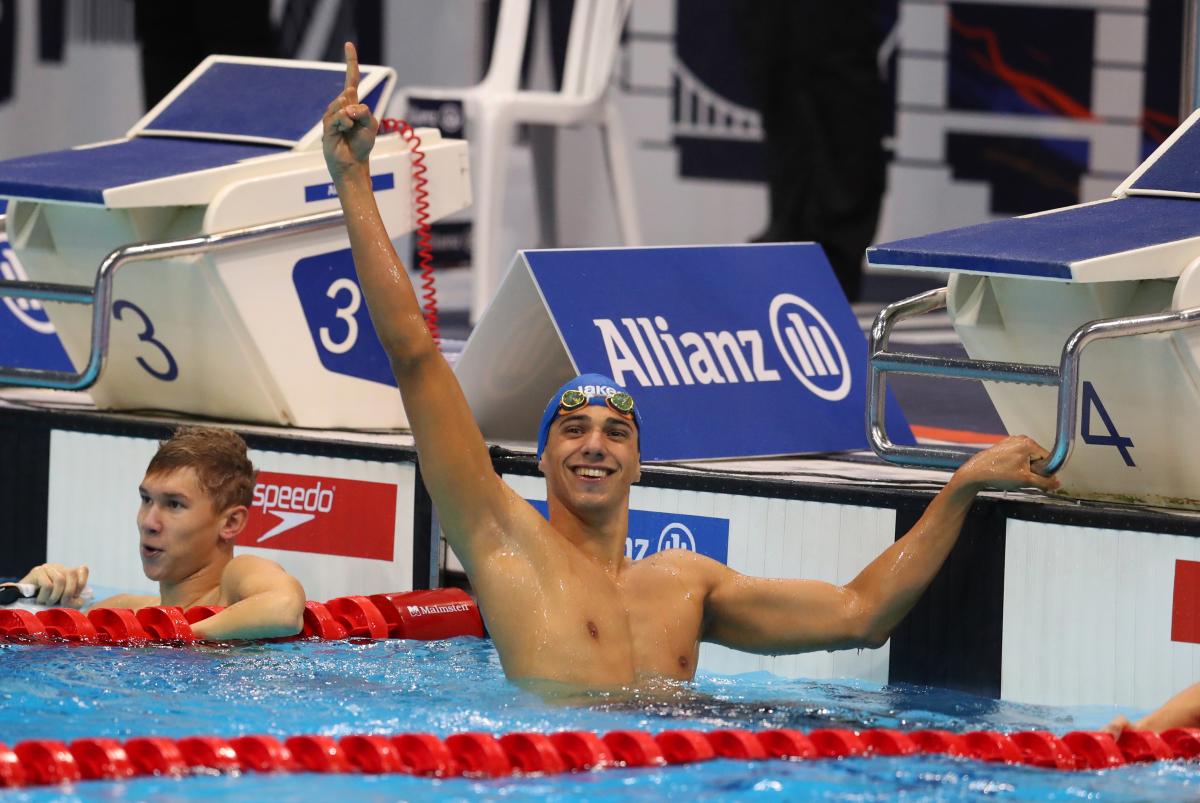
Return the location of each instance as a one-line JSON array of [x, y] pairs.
[[563, 604]]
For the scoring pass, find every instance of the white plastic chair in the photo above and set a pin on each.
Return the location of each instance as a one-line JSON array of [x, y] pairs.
[[496, 105]]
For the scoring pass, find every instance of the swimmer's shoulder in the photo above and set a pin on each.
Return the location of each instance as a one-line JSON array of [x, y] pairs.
[[692, 565], [247, 575]]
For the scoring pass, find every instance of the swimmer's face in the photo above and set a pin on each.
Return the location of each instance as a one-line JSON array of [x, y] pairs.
[[591, 458], [181, 532]]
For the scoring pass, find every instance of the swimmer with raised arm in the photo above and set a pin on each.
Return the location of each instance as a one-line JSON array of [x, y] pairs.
[[195, 499], [561, 600]]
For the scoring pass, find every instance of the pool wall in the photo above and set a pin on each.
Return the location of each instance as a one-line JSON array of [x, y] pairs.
[[1042, 600]]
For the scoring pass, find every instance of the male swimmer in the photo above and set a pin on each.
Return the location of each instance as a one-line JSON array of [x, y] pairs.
[[561, 600], [195, 501]]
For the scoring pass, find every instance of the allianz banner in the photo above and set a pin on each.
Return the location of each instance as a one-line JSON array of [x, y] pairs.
[[730, 351]]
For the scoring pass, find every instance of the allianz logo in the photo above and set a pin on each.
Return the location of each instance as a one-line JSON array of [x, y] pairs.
[[649, 352]]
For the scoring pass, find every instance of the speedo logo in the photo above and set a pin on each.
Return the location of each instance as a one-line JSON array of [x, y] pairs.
[[293, 505], [648, 351], [449, 607], [314, 514]]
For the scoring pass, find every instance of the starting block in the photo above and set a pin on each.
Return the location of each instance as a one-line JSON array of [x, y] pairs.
[[1083, 324], [236, 296]]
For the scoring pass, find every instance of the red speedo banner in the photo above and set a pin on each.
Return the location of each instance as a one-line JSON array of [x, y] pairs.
[[325, 515]]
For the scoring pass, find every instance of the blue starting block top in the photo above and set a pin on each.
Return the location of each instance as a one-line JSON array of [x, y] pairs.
[[228, 111], [1173, 169], [1136, 237], [81, 175], [252, 101]]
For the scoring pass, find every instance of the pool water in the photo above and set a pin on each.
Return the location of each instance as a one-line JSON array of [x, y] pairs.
[[338, 688]]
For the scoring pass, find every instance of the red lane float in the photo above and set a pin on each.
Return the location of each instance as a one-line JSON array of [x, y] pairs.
[[156, 755], [788, 744], [426, 615], [479, 754], [12, 773], [359, 616], [102, 759], [318, 754], [685, 747], [1044, 749], [885, 742], [43, 762], [166, 623], [425, 754], [1094, 751], [68, 624], [17, 624], [634, 749], [582, 750], [1184, 741], [47, 762], [430, 615], [259, 753], [118, 626]]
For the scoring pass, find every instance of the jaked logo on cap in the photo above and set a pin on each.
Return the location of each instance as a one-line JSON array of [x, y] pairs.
[[587, 390]]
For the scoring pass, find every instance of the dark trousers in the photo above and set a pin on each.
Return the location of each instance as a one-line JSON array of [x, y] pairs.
[[813, 67]]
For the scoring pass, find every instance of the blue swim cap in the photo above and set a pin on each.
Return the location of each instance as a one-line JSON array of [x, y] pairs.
[[597, 388]]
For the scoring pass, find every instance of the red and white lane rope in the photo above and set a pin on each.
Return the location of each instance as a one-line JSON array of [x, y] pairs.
[[426, 615], [41, 762]]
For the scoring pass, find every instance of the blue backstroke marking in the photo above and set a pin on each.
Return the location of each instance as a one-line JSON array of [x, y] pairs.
[[736, 350], [651, 532], [336, 313], [1091, 401], [171, 371], [326, 191]]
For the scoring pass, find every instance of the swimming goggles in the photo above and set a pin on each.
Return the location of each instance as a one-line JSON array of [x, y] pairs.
[[620, 403]]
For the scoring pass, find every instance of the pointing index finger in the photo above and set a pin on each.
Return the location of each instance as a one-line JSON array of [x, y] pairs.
[[351, 66]]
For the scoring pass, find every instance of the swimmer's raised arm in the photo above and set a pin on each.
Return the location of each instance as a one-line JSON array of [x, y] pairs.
[[455, 464], [782, 616]]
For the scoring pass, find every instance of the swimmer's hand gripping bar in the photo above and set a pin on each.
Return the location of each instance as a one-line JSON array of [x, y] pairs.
[[1065, 376], [99, 295]]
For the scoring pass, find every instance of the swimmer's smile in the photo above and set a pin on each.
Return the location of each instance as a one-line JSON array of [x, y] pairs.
[[149, 552], [592, 474]]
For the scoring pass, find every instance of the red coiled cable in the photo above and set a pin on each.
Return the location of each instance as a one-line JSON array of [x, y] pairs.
[[428, 292]]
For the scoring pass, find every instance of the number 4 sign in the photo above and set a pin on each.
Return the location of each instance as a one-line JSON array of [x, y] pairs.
[[1091, 401]]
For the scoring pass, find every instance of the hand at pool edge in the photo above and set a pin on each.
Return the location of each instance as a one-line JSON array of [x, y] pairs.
[[58, 584], [1006, 466]]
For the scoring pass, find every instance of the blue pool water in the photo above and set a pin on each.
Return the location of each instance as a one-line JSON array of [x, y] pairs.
[[337, 688]]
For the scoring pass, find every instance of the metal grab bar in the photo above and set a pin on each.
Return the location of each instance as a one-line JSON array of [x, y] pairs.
[[1066, 376], [100, 294]]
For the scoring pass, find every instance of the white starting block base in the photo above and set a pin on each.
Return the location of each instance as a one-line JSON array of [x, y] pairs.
[[1145, 386], [1020, 288], [271, 330]]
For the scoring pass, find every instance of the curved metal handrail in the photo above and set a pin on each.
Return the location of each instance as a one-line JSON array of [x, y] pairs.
[[1065, 376], [99, 295]]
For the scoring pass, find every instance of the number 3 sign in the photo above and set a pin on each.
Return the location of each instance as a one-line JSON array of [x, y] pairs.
[[337, 318]]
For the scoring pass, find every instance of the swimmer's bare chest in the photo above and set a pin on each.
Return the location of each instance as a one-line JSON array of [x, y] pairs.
[[581, 625]]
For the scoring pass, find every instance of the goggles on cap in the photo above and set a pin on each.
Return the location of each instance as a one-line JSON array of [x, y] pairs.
[[573, 399]]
